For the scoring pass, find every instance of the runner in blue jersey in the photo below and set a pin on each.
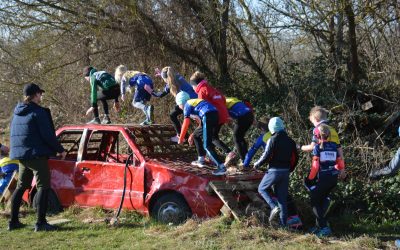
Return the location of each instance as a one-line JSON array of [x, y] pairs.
[[207, 115]]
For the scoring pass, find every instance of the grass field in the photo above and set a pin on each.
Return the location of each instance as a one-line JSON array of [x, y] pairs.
[[87, 229]]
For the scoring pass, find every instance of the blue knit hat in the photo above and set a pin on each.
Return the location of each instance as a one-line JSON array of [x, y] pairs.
[[181, 98], [275, 125]]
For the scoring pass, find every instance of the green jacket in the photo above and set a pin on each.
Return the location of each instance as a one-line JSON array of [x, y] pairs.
[[100, 79]]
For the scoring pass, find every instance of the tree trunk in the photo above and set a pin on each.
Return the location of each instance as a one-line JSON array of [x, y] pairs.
[[222, 56], [355, 68], [339, 41]]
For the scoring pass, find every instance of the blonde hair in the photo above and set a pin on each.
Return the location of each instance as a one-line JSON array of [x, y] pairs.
[[28, 99], [324, 132], [174, 86], [197, 76], [319, 113], [119, 72]]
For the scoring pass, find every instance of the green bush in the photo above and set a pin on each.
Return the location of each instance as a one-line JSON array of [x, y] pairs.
[[310, 83]]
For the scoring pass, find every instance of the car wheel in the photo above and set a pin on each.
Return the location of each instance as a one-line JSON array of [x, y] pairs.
[[171, 208], [53, 204]]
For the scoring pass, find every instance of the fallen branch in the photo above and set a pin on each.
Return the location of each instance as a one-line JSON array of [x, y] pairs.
[[389, 121]]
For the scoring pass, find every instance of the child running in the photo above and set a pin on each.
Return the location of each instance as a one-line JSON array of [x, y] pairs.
[[319, 116], [213, 96], [208, 115], [143, 90], [174, 83], [109, 90], [281, 154], [323, 178], [244, 117]]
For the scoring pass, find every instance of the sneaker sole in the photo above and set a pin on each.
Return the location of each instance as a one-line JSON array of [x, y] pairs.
[[219, 174], [273, 216], [198, 165]]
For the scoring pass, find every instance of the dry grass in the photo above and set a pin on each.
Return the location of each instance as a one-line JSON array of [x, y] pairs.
[[138, 232]]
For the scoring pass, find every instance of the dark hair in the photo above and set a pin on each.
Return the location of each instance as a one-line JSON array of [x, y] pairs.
[[196, 78], [86, 70]]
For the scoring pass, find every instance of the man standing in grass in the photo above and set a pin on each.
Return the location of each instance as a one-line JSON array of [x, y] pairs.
[[32, 140]]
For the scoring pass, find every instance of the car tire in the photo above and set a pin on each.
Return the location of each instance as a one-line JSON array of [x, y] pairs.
[[53, 204], [171, 208]]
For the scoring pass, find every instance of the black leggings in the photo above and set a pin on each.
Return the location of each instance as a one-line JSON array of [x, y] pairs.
[[203, 137], [239, 131], [174, 118], [103, 96], [217, 142], [319, 196]]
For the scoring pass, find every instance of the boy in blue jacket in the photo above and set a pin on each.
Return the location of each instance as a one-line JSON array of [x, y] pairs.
[[32, 141], [281, 155], [244, 117], [207, 115]]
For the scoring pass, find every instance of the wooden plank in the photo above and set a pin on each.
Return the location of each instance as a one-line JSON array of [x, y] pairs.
[[238, 186], [8, 191], [227, 198], [226, 211]]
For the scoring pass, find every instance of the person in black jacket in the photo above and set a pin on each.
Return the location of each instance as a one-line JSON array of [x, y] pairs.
[[281, 154], [32, 141]]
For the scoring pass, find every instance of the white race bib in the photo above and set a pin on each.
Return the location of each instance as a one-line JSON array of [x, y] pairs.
[[327, 156]]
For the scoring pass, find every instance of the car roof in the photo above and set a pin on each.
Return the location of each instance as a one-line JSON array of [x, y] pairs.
[[105, 126]]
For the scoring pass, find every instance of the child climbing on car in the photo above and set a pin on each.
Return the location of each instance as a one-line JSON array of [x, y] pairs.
[[207, 115], [174, 83], [261, 141], [244, 118], [143, 90], [323, 177], [206, 92], [109, 90]]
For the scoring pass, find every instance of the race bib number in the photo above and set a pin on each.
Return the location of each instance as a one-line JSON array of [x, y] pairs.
[[328, 156]]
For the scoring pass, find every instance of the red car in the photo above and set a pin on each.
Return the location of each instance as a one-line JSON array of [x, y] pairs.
[[159, 178]]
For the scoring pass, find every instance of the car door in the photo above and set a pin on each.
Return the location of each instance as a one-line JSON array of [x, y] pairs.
[[114, 174], [99, 176], [62, 171]]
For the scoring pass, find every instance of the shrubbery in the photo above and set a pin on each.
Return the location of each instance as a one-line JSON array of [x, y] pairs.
[[307, 84]]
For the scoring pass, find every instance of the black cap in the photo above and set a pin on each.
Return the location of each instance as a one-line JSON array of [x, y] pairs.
[[31, 89], [86, 70]]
